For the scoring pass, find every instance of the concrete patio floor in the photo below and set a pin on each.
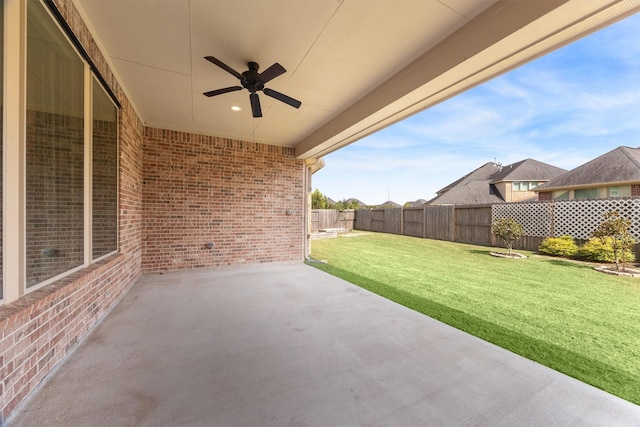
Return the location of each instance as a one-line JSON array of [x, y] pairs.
[[289, 345]]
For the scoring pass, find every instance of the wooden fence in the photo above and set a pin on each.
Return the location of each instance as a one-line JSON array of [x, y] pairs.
[[472, 223], [323, 219], [468, 224]]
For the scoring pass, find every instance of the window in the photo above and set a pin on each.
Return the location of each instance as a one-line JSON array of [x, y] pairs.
[[524, 185], [623, 191], [104, 174], [561, 195], [54, 202], [587, 193], [60, 201]]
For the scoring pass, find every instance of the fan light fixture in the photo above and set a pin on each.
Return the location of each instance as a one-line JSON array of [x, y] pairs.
[[254, 82]]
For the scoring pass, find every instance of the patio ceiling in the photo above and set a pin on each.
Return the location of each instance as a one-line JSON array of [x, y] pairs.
[[356, 65]]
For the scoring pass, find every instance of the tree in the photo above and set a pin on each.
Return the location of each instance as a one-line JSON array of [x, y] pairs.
[[614, 230], [319, 200], [508, 230], [347, 204]]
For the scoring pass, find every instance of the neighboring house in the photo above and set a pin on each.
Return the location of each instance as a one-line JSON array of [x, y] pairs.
[[494, 183], [389, 204], [415, 204], [614, 174]]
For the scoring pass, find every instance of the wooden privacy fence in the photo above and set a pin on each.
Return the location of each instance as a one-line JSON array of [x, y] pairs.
[[472, 223], [323, 219]]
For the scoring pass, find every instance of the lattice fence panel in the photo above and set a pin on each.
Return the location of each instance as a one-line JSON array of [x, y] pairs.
[[535, 218], [578, 218]]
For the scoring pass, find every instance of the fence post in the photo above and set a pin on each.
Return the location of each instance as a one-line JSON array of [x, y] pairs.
[[424, 222], [552, 215]]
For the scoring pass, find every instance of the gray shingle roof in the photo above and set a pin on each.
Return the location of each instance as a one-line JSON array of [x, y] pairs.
[[416, 203], [469, 193], [528, 170], [477, 187], [619, 165], [390, 203]]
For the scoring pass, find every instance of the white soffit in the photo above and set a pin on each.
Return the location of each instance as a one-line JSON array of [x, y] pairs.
[[356, 65], [562, 25]]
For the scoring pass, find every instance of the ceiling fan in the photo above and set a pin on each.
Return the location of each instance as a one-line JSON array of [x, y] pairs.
[[254, 82]]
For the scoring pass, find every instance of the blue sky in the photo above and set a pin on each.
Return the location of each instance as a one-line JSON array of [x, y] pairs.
[[564, 109]]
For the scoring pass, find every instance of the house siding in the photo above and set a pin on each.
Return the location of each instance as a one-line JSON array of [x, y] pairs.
[[546, 195], [245, 198]]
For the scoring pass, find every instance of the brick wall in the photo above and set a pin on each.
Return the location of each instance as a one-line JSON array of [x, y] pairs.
[[245, 198], [546, 195], [39, 329]]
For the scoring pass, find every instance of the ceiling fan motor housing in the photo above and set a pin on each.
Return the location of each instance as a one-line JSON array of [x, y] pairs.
[[251, 78]]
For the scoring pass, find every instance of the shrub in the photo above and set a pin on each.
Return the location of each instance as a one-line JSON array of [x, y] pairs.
[[509, 230], [614, 231], [563, 246], [599, 250]]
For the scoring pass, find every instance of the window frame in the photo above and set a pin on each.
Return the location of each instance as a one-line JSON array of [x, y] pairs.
[[595, 193], [524, 185], [14, 281]]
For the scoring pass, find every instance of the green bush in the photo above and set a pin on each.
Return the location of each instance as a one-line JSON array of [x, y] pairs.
[[563, 246], [509, 230], [598, 251]]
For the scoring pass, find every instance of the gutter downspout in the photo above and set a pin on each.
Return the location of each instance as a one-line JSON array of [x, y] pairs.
[[312, 165]]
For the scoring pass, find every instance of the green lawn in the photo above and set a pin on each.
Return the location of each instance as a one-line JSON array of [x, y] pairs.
[[559, 313]]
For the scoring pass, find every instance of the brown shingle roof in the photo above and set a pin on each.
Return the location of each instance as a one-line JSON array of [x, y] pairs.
[[619, 165]]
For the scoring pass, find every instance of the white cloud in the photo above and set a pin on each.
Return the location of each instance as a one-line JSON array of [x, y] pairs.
[[564, 109]]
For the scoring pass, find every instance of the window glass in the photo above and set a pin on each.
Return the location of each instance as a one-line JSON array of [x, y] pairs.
[[524, 185], [105, 174], [561, 195], [54, 150], [623, 191], [587, 193]]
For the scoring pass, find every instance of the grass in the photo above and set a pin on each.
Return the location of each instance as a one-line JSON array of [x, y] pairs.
[[559, 313]]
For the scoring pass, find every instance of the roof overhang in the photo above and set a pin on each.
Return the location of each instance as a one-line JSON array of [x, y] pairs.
[[586, 186], [356, 65]]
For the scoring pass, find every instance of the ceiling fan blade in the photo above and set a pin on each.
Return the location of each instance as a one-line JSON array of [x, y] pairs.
[[282, 97], [223, 66], [221, 91], [255, 105], [272, 72]]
